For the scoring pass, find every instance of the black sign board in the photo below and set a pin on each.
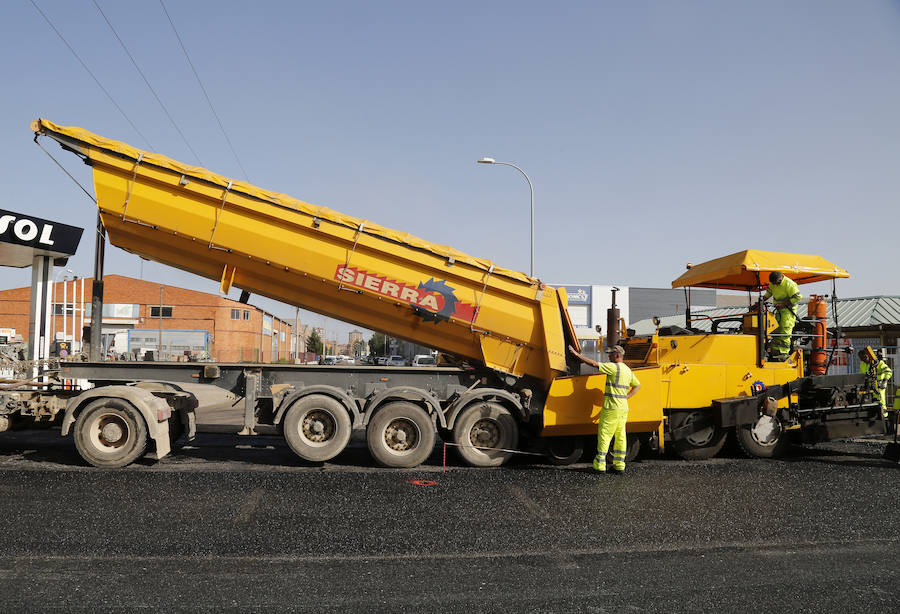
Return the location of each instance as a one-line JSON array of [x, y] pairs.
[[24, 236]]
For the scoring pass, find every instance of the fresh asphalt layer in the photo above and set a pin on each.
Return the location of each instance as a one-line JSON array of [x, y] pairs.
[[240, 524]]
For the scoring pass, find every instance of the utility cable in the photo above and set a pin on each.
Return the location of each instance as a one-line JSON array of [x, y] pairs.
[[96, 80], [78, 183], [208, 100], [150, 87]]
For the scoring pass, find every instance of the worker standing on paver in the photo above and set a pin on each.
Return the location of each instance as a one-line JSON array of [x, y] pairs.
[[621, 385], [785, 294], [882, 374]]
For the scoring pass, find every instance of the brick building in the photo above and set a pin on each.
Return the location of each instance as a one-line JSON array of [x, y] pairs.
[[135, 312]]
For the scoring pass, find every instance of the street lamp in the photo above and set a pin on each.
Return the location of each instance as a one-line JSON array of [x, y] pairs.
[[53, 302], [530, 187]]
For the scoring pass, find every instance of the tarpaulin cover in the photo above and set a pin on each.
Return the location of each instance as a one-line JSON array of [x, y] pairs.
[[87, 137]]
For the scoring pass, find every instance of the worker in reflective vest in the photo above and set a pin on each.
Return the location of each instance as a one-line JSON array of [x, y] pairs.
[[621, 385], [882, 375], [785, 294]]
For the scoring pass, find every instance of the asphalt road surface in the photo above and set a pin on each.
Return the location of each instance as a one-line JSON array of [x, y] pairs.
[[240, 524]]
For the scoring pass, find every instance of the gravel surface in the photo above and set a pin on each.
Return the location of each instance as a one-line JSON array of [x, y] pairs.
[[240, 524]]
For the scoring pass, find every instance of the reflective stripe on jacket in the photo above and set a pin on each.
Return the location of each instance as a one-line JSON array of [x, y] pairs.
[[619, 380], [883, 372], [786, 291]]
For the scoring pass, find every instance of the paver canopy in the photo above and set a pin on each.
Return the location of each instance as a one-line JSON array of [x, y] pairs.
[[749, 270]]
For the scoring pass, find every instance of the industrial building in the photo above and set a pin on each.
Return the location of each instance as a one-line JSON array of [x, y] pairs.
[[148, 320]]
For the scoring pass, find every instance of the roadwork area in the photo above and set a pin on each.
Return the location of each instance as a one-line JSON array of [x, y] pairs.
[[237, 523]]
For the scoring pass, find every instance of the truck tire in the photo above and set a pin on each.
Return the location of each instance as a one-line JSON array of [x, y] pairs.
[[765, 438], [110, 433], [701, 445], [400, 434], [565, 450], [485, 425], [317, 427], [632, 447]]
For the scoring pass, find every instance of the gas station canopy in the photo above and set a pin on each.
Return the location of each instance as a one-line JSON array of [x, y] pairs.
[[24, 237]]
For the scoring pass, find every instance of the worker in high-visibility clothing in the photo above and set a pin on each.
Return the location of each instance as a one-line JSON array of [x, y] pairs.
[[621, 385], [869, 361], [785, 294]]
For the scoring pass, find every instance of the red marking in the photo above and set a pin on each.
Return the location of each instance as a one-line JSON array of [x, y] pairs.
[[464, 311], [397, 290], [423, 482]]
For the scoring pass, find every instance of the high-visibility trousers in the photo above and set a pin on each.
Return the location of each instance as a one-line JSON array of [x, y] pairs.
[[781, 342], [881, 395], [611, 425]]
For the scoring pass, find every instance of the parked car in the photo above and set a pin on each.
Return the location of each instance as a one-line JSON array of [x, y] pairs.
[[423, 360], [381, 360], [396, 361]]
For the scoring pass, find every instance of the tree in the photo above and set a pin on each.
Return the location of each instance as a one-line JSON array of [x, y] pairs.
[[314, 343], [358, 347], [378, 344]]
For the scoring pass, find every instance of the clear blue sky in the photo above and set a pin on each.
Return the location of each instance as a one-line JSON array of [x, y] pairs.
[[655, 133]]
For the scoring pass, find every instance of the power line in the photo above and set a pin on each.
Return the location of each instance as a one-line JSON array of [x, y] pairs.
[[216, 115], [96, 80], [141, 73]]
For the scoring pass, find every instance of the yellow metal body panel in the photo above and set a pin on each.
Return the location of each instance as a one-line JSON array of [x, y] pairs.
[[324, 261], [574, 403], [702, 368], [749, 269]]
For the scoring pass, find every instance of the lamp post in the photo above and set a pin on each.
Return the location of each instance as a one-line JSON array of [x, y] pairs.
[[53, 308], [530, 187]]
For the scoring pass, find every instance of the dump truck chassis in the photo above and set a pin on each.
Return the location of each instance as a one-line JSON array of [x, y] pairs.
[[317, 407]]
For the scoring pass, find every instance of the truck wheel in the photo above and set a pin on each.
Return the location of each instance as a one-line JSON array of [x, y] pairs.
[[483, 432], [564, 450], [632, 448], [700, 445], [400, 434], [110, 433], [317, 427], [765, 438]]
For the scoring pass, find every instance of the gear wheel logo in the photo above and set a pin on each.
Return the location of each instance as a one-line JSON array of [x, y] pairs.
[[448, 304]]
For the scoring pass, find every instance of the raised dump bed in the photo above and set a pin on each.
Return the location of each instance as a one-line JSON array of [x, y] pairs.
[[322, 260]]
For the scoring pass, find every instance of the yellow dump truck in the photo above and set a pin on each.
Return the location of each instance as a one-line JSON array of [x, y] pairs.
[[508, 331], [514, 386]]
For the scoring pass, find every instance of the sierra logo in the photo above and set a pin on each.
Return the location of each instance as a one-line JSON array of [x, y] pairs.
[[432, 300]]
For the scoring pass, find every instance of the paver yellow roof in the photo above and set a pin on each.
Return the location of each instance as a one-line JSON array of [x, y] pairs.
[[749, 270]]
